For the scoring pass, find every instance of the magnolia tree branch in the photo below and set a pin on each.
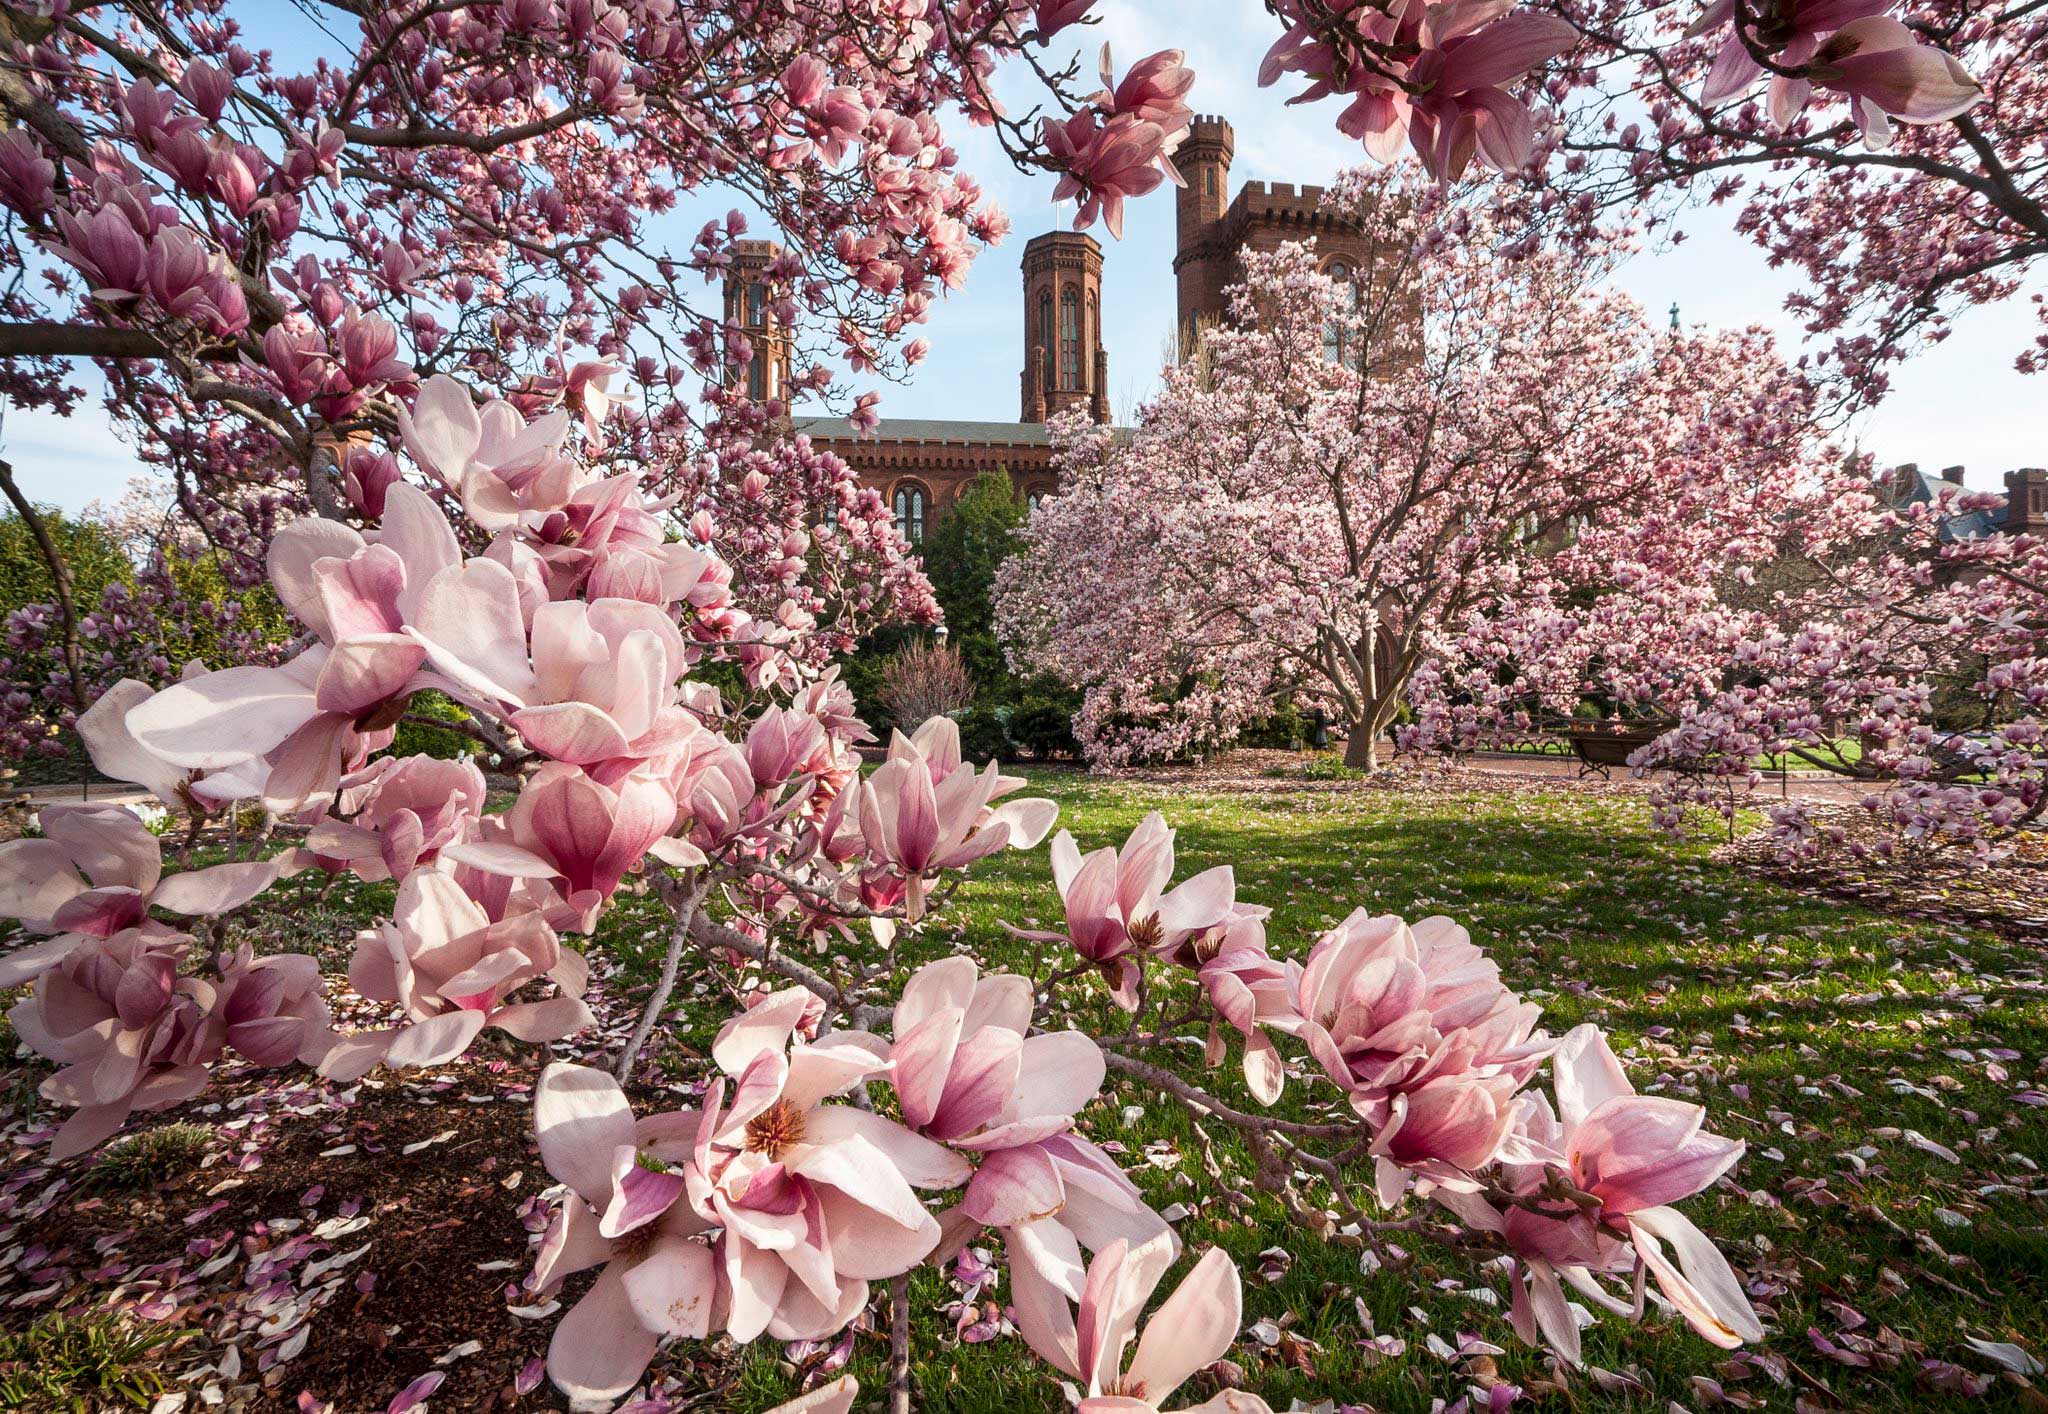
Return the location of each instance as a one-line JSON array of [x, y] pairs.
[[60, 580]]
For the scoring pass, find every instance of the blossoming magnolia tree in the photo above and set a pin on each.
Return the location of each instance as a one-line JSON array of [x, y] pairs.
[[850, 1126], [1360, 480], [1891, 154], [1891, 650]]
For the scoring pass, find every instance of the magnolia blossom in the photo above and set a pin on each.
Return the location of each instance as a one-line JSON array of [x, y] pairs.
[[272, 1009], [1851, 46], [455, 971], [130, 1033], [1193, 1328], [396, 814], [1117, 902], [770, 1215], [1250, 990], [1434, 76], [569, 840], [622, 1181], [924, 810], [327, 708], [97, 871], [1591, 1184], [815, 1199], [1417, 1027]]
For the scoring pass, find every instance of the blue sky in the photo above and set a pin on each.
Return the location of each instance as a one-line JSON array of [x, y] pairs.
[[1958, 402]]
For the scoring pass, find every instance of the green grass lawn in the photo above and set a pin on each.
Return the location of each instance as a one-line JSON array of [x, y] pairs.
[[1818, 1033], [1847, 1048]]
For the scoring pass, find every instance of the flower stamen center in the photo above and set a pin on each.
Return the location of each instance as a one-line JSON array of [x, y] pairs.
[[775, 1130]]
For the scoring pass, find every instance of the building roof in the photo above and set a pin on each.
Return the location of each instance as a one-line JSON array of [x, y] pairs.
[[937, 430], [1908, 486]]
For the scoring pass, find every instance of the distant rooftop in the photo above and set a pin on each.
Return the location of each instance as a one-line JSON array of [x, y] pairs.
[[934, 429]]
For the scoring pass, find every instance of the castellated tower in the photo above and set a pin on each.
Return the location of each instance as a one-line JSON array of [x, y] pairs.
[[749, 310], [1204, 262], [1064, 361]]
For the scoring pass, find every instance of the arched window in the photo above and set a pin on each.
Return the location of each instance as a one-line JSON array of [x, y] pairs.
[[757, 306], [1334, 332], [1070, 340], [1045, 333], [910, 501], [757, 373], [1036, 497], [1208, 181], [1091, 336]]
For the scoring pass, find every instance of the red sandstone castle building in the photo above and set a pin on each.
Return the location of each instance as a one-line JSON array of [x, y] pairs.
[[921, 465]]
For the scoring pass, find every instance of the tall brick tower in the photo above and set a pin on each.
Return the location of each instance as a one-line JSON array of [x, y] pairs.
[[749, 309], [1203, 262], [1064, 362]]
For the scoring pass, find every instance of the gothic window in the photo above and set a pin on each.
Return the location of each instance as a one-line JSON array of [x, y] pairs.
[[757, 306], [909, 503], [757, 373], [1208, 181], [1335, 333], [1044, 339], [1070, 340]]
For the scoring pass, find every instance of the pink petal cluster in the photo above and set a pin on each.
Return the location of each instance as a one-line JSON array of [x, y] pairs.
[[1852, 47], [1434, 76], [924, 810], [1119, 907], [1418, 1029], [1192, 1329], [397, 813], [129, 1033], [97, 871], [454, 972], [1589, 1192], [769, 1214], [1120, 144]]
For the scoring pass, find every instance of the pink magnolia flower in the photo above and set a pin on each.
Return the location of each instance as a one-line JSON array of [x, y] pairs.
[[455, 972], [966, 1073], [1117, 902], [784, 742], [1193, 1328], [574, 838], [399, 812], [814, 1199], [1462, 106], [1637, 1154], [323, 711], [1889, 73], [1385, 1009], [96, 872], [1851, 46], [502, 466], [624, 1179], [126, 1029], [598, 684], [923, 810], [1052, 16], [1250, 991], [1154, 91], [1101, 163], [272, 1009]]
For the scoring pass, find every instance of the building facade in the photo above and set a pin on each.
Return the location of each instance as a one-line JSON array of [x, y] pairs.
[[922, 466]]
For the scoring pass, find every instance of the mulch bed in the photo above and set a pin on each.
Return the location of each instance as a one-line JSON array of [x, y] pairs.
[[2009, 897], [334, 1244]]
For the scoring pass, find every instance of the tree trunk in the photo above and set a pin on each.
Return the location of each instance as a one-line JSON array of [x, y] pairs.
[[1362, 750]]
